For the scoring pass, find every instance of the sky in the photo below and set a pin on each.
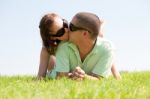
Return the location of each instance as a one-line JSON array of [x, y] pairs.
[[126, 24]]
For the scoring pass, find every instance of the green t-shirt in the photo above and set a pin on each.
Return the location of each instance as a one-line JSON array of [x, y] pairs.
[[98, 61]]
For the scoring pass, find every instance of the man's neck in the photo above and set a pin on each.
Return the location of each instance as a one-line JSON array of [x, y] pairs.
[[85, 48]]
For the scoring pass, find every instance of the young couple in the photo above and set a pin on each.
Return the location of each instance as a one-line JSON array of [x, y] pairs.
[[76, 50]]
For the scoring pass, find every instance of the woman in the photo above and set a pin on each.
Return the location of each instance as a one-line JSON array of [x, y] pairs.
[[54, 29]]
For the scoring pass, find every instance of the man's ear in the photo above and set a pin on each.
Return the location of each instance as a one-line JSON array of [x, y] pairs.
[[100, 34], [84, 33]]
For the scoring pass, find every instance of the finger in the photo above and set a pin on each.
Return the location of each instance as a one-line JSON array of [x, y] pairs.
[[81, 72], [79, 75], [78, 69], [70, 74], [76, 74]]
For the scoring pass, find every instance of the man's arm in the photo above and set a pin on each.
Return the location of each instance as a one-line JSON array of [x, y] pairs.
[[93, 76], [79, 74], [103, 66], [115, 72]]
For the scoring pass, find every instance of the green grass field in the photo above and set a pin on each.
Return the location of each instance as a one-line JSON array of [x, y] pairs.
[[135, 85]]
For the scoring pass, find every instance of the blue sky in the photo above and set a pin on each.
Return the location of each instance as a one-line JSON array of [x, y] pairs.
[[127, 24]]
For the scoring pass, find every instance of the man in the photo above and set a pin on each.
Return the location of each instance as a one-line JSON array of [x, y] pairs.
[[85, 56]]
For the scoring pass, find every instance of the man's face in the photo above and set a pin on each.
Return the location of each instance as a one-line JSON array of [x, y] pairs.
[[75, 34]]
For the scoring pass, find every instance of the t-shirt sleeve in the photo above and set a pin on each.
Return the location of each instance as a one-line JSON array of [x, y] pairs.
[[104, 64], [62, 58]]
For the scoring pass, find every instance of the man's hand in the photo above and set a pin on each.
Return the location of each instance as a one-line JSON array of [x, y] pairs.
[[77, 74]]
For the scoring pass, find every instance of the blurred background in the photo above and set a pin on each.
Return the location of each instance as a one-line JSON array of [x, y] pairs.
[[126, 24]]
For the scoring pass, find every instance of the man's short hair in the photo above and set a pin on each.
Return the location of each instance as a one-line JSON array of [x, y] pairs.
[[88, 21]]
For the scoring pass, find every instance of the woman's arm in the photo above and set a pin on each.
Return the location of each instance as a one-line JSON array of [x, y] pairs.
[[44, 59]]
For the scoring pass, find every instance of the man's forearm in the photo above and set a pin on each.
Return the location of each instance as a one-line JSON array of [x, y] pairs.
[[86, 76], [90, 77]]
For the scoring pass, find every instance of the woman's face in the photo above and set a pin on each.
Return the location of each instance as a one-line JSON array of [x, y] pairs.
[[58, 31]]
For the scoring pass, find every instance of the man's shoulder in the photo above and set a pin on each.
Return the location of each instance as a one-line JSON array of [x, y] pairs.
[[105, 43], [63, 44], [68, 45]]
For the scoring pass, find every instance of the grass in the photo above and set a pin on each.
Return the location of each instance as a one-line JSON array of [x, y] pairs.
[[135, 85]]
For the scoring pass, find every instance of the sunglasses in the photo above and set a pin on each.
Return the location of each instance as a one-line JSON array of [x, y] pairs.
[[72, 27], [61, 31]]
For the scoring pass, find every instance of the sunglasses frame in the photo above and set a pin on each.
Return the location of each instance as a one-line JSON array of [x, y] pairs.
[[61, 31], [72, 28]]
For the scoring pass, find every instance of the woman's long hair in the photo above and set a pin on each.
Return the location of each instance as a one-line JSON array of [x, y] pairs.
[[45, 24]]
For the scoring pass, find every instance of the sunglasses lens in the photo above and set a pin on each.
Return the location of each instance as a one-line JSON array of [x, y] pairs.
[[72, 27], [60, 33]]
